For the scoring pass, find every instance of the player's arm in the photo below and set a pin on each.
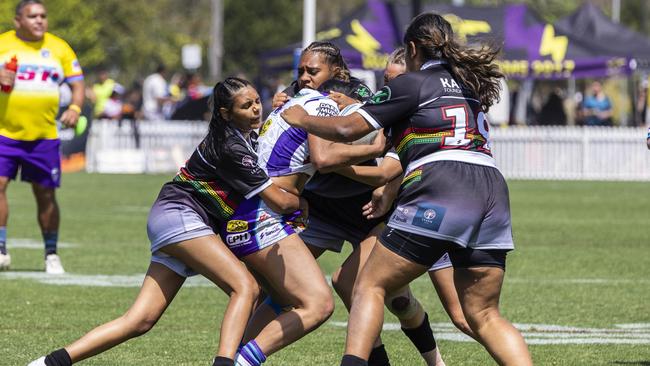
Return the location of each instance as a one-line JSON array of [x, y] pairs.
[[7, 77], [382, 199], [327, 156], [71, 115], [280, 200], [396, 101], [374, 176]]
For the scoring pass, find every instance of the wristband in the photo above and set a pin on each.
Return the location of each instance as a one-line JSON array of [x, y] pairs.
[[74, 107]]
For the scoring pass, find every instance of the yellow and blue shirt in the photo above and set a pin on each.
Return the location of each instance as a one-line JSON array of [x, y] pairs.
[[29, 111]]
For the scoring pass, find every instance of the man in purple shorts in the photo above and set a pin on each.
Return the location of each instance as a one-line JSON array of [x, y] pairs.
[[29, 99]]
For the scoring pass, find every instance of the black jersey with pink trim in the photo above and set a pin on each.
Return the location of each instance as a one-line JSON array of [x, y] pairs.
[[431, 117]]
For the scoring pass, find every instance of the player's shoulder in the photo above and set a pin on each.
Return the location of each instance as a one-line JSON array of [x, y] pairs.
[[8, 40], [54, 41]]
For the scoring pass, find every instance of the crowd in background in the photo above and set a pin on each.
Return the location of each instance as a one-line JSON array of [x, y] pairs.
[[183, 96]]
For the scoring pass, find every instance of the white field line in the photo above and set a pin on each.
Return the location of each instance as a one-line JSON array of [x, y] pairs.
[[33, 244], [547, 333]]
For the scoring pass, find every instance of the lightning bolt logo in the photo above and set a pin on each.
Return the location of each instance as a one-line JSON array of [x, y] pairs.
[[361, 40], [551, 45]]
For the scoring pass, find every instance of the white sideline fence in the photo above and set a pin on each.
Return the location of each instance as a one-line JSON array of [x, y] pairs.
[[534, 152]]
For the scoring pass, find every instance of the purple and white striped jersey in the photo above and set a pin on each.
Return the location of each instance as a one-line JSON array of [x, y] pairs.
[[284, 150]]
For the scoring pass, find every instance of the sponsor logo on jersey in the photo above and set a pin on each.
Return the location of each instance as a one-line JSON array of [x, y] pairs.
[[401, 214], [450, 86], [429, 217], [265, 127], [45, 53], [326, 110], [236, 226], [264, 216], [381, 96], [248, 161], [235, 240]]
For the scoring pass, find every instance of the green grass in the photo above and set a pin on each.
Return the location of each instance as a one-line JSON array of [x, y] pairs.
[[582, 260]]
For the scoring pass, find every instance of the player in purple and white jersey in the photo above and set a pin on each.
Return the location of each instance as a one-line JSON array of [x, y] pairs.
[[453, 198], [285, 154]]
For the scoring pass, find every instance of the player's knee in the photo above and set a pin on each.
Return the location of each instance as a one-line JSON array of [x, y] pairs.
[[246, 287], [320, 306], [403, 306], [141, 325]]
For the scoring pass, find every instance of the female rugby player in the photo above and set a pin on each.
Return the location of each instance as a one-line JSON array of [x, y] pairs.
[[184, 225], [453, 198], [336, 209]]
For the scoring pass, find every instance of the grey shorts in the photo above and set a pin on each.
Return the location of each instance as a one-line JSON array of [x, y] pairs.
[[458, 202], [170, 223]]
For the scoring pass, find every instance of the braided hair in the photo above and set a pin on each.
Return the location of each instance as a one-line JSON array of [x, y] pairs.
[[222, 97]]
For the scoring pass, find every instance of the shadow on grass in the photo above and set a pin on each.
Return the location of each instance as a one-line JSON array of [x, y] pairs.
[[632, 363]]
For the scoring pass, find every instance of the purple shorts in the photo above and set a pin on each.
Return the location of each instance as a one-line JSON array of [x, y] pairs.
[[39, 161]]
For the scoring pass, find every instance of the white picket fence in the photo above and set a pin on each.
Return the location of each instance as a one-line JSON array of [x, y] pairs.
[[562, 153]]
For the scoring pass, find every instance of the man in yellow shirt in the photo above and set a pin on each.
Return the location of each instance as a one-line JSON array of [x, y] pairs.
[[29, 102]]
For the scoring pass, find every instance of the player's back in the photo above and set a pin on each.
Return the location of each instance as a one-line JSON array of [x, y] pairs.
[[284, 150]]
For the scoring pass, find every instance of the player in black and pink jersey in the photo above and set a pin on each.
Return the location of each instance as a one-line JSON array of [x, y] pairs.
[[453, 198], [184, 225]]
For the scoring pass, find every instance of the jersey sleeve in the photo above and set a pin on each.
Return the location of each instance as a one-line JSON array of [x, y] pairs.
[[392, 103], [392, 153], [71, 68], [244, 173], [321, 107]]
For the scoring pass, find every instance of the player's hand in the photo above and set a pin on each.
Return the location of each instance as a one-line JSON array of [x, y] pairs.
[[381, 143], [293, 115], [69, 118], [378, 206], [279, 99], [341, 99], [7, 77]]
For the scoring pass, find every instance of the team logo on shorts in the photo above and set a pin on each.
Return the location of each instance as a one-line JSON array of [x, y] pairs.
[[429, 217], [236, 226], [381, 96], [248, 161], [236, 240]]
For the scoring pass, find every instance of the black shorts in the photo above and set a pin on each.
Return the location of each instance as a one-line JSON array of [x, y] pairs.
[[332, 221], [426, 251]]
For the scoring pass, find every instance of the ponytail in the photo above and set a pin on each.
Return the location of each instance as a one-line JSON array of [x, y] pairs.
[[474, 68]]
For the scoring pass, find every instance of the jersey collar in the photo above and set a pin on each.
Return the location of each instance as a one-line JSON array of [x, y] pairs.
[[432, 63]]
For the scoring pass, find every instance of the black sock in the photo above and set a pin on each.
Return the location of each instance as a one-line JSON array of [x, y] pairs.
[[349, 360], [59, 357], [223, 361], [378, 357], [422, 336]]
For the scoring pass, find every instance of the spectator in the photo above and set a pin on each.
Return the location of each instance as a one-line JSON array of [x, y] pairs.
[[28, 108], [113, 106], [597, 108], [154, 94], [101, 92], [552, 112]]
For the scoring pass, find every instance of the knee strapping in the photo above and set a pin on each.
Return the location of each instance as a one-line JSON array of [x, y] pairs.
[[403, 305]]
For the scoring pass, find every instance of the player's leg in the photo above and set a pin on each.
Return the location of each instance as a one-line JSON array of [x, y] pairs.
[[343, 282], [443, 281], [210, 257], [10, 153], [158, 289], [5, 259], [384, 272], [289, 269], [479, 289], [42, 168]]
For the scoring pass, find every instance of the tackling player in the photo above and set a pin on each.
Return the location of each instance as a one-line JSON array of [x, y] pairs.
[[453, 199]]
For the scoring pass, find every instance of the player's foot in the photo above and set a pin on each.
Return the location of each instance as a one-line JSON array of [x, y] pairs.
[[5, 261], [53, 264], [39, 362]]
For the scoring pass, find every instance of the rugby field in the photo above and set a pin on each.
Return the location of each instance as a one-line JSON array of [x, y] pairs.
[[578, 285]]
